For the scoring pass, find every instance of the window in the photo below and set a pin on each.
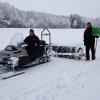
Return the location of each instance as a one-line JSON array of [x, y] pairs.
[[11, 48]]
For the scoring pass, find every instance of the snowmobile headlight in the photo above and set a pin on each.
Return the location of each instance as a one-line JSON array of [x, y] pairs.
[[14, 61], [0, 60], [9, 62]]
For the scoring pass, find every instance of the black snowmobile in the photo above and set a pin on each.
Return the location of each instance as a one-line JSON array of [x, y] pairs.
[[15, 55]]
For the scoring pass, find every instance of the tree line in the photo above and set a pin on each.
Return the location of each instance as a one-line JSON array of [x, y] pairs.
[[14, 18]]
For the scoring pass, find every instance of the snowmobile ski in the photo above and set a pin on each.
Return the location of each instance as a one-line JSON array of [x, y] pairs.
[[11, 74]]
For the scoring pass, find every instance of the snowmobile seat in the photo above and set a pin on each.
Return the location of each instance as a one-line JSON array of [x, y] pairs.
[[42, 42]]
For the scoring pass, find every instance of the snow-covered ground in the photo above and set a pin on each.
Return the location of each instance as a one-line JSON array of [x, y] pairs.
[[60, 79]]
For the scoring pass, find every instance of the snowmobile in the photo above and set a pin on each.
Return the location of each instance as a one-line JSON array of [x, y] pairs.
[[71, 52], [15, 56]]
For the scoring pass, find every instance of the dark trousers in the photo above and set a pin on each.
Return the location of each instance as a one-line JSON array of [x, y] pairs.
[[34, 52], [88, 48]]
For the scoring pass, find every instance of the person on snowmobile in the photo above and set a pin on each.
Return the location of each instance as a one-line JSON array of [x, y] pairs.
[[89, 42], [33, 45]]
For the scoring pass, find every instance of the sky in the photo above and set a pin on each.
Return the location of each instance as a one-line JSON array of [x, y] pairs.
[[86, 8]]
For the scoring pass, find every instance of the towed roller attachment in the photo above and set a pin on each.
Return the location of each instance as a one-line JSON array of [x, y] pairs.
[[68, 52]]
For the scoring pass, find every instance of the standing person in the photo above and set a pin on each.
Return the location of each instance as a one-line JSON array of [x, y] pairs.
[[89, 42], [32, 42]]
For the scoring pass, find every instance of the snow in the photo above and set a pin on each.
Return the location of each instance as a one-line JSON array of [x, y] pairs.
[[60, 79]]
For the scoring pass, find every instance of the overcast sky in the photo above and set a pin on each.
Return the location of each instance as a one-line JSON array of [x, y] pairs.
[[86, 8]]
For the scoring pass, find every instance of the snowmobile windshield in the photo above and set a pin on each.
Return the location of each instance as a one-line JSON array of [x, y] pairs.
[[16, 39]]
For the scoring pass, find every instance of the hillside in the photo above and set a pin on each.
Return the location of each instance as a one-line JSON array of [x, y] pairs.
[[13, 17], [16, 18]]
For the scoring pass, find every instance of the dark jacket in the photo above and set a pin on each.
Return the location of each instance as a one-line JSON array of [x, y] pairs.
[[32, 41], [89, 39]]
